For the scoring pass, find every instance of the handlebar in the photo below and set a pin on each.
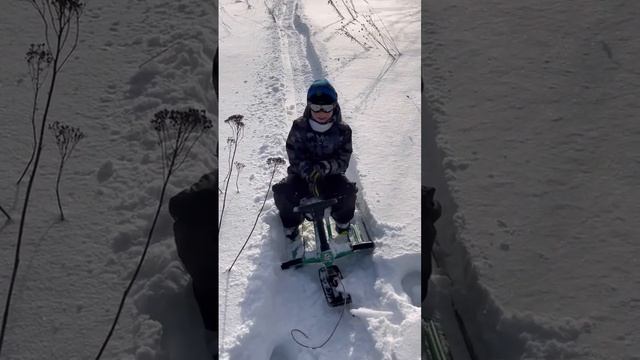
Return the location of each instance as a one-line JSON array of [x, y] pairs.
[[315, 206]]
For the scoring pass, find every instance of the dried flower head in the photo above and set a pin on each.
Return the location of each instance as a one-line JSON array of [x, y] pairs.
[[236, 124], [39, 53], [277, 161], [235, 119], [178, 131], [39, 59], [68, 6], [66, 137], [191, 118]]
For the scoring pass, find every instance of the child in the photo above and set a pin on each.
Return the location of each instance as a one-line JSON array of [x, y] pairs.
[[319, 149], [196, 240]]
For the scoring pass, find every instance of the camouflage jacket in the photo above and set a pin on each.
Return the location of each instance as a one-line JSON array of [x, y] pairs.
[[306, 147]]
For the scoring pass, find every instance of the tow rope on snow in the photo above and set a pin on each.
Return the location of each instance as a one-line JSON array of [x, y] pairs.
[[344, 291]]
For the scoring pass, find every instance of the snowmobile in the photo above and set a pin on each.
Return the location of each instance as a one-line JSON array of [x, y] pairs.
[[328, 247]]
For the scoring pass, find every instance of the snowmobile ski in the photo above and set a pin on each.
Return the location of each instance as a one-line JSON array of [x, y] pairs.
[[330, 277]]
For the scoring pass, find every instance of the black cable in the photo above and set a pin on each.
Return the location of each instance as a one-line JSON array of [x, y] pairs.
[[344, 292], [257, 218]]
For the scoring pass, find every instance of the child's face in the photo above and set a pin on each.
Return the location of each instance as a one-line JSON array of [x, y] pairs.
[[321, 116]]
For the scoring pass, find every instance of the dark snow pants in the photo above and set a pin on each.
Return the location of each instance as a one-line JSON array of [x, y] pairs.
[[431, 211], [195, 229], [288, 193]]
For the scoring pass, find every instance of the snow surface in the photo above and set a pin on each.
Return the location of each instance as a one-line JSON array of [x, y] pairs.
[[270, 52], [531, 137], [72, 273]]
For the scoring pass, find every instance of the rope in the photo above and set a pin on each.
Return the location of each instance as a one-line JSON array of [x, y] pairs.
[[332, 331], [257, 217]]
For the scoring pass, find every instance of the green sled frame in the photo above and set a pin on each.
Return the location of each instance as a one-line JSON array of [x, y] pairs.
[[324, 253]]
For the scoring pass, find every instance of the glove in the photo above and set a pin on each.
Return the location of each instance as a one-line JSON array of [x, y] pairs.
[[314, 177], [318, 171], [314, 189]]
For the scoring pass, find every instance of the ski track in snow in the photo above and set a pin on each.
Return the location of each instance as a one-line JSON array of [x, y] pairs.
[[72, 274], [291, 299]]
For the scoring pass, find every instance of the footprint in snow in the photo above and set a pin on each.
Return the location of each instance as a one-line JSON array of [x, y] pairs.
[[105, 172]]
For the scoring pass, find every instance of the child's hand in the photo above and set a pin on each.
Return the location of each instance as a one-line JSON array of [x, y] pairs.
[[314, 177], [318, 171], [314, 189]]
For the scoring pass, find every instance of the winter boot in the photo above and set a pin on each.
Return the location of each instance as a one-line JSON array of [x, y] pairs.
[[292, 232], [342, 229], [341, 240], [295, 247]]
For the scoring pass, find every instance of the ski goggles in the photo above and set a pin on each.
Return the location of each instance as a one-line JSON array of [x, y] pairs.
[[323, 108]]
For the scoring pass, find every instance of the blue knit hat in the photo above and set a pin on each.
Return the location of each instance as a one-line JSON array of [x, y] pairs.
[[322, 93]]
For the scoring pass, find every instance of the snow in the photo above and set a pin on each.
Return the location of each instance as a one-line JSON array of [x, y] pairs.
[[528, 133], [72, 273], [270, 52], [532, 143]]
